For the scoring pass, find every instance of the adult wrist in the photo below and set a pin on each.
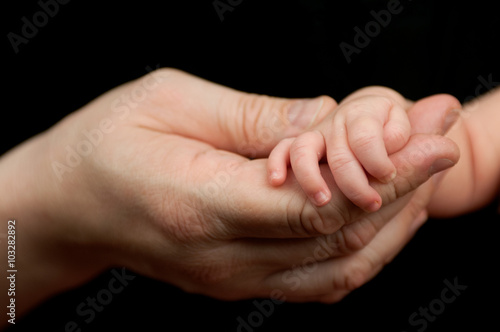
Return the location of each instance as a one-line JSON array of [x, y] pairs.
[[46, 262]]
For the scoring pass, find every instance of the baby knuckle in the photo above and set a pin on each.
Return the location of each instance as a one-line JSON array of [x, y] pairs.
[[364, 140], [339, 160], [398, 133], [370, 104], [301, 143], [385, 103], [377, 90], [167, 74]]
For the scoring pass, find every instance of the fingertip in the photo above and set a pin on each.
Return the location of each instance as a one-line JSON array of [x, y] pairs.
[[370, 202], [276, 178], [384, 172], [388, 178], [321, 198], [374, 206]]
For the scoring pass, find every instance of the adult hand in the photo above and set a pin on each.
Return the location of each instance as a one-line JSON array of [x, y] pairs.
[[155, 176]]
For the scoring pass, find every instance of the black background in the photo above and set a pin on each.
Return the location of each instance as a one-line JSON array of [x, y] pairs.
[[282, 48]]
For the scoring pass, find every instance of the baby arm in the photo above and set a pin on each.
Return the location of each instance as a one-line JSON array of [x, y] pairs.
[[356, 140], [475, 180]]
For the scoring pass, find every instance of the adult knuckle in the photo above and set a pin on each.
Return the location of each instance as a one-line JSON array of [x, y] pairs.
[[392, 190], [211, 273], [189, 222], [355, 276], [307, 222], [163, 86], [204, 272], [416, 205], [355, 279], [329, 104], [253, 122], [348, 242], [311, 221], [163, 77]]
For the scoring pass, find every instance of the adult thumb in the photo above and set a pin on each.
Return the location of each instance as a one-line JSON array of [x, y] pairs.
[[434, 115], [246, 123], [260, 122]]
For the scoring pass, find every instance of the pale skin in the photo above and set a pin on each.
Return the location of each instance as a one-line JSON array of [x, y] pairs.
[[360, 134], [475, 180], [176, 190], [357, 137]]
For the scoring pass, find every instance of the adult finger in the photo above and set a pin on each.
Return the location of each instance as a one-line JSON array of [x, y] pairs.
[[351, 272], [330, 280]]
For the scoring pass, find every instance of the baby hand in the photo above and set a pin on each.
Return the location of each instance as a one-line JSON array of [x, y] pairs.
[[357, 139]]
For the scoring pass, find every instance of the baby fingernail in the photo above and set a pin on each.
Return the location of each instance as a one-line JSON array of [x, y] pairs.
[[320, 198], [374, 206], [390, 177], [273, 175]]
